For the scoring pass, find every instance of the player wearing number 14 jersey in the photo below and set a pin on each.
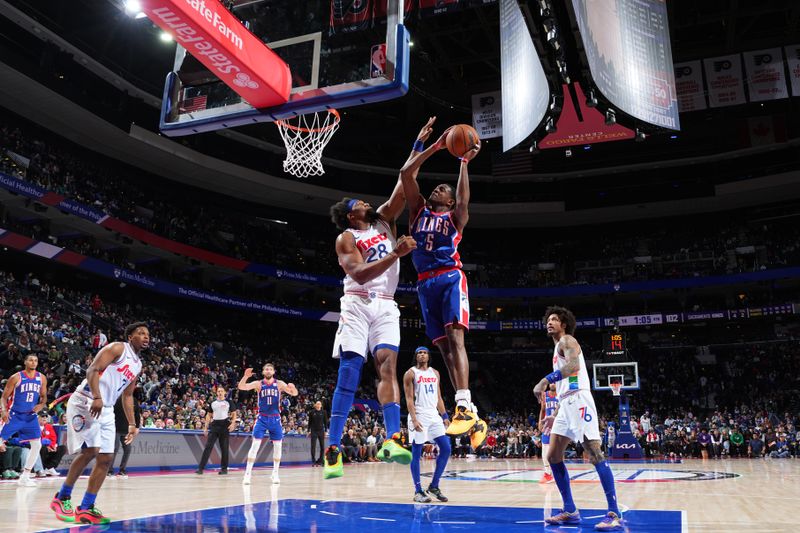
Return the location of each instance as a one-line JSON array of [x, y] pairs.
[[575, 420]]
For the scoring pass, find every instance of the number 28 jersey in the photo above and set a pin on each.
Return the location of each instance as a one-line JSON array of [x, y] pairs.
[[375, 243]]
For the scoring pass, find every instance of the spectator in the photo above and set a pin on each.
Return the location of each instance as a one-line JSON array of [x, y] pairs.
[[755, 447], [52, 452], [704, 441], [781, 449], [737, 443], [317, 426]]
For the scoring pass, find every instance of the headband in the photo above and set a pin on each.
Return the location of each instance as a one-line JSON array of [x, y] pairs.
[[351, 204], [420, 349]]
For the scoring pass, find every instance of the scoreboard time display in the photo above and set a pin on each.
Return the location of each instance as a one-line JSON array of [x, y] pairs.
[[615, 343]]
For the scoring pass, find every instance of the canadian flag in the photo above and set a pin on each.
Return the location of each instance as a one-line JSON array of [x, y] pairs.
[[764, 131]]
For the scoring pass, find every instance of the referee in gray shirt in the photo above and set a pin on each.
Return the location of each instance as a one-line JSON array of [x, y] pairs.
[[224, 420]]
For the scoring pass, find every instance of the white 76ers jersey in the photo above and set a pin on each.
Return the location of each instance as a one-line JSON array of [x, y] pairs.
[[426, 391], [577, 381], [118, 375], [375, 243]]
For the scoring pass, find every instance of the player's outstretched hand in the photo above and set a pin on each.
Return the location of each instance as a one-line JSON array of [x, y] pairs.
[[469, 156], [426, 130], [405, 245], [248, 372], [441, 142]]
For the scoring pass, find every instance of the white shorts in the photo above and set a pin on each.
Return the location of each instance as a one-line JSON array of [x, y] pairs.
[[432, 428], [577, 418], [84, 429], [367, 324]]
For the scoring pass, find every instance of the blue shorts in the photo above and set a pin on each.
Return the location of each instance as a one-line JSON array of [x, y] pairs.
[[444, 301], [268, 423], [24, 425]]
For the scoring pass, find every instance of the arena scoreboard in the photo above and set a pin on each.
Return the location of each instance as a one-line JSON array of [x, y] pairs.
[[615, 343]]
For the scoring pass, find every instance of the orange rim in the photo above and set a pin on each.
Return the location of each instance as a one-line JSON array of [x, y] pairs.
[[331, 111]]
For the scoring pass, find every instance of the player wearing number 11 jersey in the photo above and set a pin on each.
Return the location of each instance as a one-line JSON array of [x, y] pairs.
[[575, 420]]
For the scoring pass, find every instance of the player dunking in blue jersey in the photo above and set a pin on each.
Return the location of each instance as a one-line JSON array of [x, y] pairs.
[[437, 225], [269, 416], [29, 389]]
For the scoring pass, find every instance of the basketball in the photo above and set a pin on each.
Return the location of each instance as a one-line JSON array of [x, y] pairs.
[[461, 139]]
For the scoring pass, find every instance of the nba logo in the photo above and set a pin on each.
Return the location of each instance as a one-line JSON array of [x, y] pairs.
[[378, 61]]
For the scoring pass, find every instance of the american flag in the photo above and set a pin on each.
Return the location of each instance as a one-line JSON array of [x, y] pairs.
[[196, 103], [512, 163]]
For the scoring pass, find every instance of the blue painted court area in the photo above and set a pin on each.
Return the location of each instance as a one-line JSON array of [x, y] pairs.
[[334, 516]]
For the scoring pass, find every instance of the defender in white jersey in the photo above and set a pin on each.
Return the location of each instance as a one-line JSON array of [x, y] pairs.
[[368, 251], [90, 421], [575, 420], [427, 419]]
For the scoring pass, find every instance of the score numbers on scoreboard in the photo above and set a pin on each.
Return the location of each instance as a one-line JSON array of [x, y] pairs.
[[615, 343]]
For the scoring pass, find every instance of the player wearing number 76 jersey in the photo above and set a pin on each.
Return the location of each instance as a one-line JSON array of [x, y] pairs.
[[575, 420]]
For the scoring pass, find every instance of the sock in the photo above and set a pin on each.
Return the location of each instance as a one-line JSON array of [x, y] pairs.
[[463, 398], [443, 442], [65, 493], [561, 477], [350, 364], [391, 418], [416, 455], [88, 500], [607, 480], [252, 455], [276, 456]]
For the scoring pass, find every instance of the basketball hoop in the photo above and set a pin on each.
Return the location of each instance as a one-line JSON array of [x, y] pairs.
[[616, 388], [305, 136]]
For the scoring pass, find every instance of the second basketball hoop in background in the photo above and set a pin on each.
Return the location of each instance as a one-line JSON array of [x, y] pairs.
[[305, 137]]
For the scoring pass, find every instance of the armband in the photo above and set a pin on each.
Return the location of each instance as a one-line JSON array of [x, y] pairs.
[[554, 376], [445, 416]]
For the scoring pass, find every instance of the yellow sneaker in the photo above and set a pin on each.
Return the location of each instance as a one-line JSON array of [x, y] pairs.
[[332, 466], [394, 452], [462, 422], [478, 435]]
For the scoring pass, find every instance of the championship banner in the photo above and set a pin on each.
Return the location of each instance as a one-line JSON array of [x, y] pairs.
[[793, 60], [352, 15], [437, 7], [765, 79], [689, 86], [487, 114], [724, 78], [216, 38]]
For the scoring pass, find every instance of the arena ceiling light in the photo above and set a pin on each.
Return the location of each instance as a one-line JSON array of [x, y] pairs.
[[133, 8], [165, 37]]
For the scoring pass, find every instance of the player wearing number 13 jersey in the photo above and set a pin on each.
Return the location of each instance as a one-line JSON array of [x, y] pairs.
[[91, 427], [575, 420], [369, 322]]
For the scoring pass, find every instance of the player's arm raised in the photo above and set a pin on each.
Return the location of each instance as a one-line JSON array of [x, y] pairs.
[[353, 263], [408, 174], [7, 393], [42, 396], [288, 388], [440, 403], [105, 357], [127, 407], [408, 389], [461, 211], [244, 385]]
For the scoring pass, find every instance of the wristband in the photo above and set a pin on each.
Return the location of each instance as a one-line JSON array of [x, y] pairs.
[[464, 160], [445, 416], [554, 376], [419, 146]]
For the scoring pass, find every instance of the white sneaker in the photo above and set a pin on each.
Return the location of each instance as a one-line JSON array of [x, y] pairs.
[[275, 479], [246, 479], [51, 472], [25, 481]]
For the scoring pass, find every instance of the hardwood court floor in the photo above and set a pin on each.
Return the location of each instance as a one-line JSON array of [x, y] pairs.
[[728, 495]]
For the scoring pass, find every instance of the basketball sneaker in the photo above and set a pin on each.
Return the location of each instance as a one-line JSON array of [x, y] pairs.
[[92, 515], [63, 509], [421, 497], [332, 466], [394, 452], [612, 522], [26, 481], [478, 435], [437, 493], [462, 422], [546, 478], [563, 518]]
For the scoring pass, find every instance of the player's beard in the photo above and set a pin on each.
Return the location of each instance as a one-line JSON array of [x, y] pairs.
[[371, 215]]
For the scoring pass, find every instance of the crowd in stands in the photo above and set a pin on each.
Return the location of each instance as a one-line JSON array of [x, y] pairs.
[[654, 250]]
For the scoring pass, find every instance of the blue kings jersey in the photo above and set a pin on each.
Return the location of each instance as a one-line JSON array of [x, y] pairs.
[[550, 403], [269, 398], [437, 241], [26, 393]]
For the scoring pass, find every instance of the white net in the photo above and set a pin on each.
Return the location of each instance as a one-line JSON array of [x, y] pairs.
[[305, 136], [616, 388]]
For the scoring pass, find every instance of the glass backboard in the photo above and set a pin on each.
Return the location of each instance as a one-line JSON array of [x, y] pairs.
[[341, 53], [625, 373]]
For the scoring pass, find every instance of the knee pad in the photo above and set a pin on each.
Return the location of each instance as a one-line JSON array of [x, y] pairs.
[[276, 450], [253, 453]]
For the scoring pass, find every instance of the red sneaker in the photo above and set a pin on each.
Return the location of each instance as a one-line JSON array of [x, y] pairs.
[[92, 515], [546, 478], [63, 509]]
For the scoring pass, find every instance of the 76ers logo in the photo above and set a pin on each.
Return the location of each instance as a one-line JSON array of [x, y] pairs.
[[78, 422], [341, 8]]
